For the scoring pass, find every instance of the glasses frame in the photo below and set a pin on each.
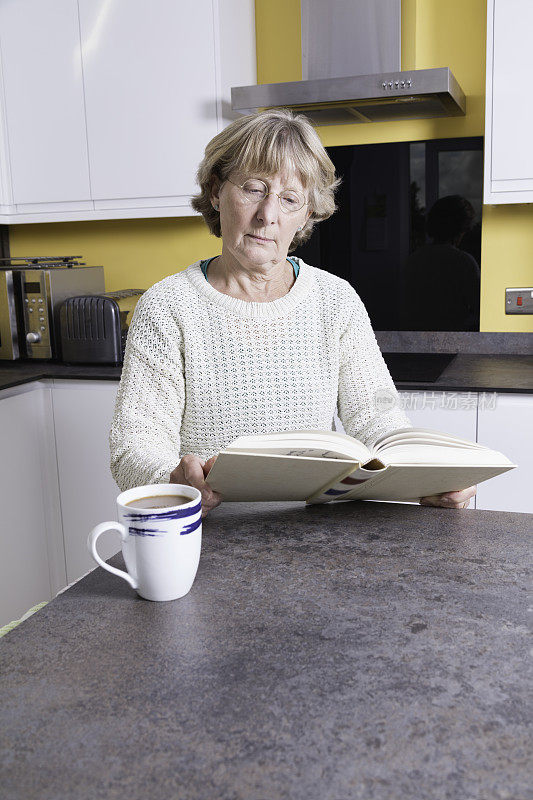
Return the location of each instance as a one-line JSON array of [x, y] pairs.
[[251, 202]]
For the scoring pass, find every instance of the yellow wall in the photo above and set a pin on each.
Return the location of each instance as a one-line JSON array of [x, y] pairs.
[[136, 253]]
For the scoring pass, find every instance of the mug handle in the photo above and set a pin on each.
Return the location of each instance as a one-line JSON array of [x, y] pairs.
[[91, 544]]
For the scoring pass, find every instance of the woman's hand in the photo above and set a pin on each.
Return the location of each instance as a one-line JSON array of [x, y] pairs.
[[192, 471], [450, 499]]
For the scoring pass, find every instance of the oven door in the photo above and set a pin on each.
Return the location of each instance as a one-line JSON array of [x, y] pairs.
[[10, 317]]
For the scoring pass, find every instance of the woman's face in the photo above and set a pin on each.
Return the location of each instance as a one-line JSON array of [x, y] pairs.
[[260, 233]]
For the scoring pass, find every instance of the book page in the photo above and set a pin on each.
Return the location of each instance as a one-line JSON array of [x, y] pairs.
[[430, 455], [416, 435], [290, 449], [311, 443]]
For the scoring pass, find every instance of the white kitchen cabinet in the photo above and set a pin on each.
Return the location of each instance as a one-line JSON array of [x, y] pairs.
[[150, 98], [83, 411], [42, 104], [451, 412], [107, 107], [508, 111], [506, 424], [32, 563]]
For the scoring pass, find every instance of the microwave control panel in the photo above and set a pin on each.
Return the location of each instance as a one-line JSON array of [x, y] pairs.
[[36, 314]]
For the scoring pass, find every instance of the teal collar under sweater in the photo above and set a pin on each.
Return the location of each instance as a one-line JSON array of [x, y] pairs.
[[204, 265]]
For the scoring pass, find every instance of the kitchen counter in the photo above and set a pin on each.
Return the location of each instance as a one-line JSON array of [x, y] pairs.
[[16, 373], [365, 650], [467, 372]]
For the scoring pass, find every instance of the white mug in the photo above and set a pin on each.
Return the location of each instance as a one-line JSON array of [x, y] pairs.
[[161, 546]]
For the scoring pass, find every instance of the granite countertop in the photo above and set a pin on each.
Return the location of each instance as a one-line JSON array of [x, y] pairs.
[[467, 372], [375, 651], [15, 373], [482, 373]]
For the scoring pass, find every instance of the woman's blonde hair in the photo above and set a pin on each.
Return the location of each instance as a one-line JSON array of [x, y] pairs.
[[263, 144]]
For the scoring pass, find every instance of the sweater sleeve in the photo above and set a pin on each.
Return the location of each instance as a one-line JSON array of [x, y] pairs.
[[368, 402], [145, 432]]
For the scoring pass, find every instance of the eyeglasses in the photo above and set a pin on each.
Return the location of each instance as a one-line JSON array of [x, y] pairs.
[[255, 191]]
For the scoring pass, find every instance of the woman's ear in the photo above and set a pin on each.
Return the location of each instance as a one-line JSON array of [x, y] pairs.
[[215, 189]]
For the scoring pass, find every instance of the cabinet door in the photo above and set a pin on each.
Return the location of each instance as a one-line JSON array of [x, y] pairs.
[[24, 564], [44, 107], [450, 412], [106, 107], [150, 92], [509, 114], [82, 416], [505, 423]]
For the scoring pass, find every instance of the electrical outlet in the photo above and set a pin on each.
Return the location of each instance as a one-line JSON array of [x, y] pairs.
[[519, 301]]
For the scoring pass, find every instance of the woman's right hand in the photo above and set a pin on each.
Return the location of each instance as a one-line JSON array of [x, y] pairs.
[[192, 471]]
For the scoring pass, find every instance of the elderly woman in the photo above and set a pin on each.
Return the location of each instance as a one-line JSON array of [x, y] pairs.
[[250, 341]]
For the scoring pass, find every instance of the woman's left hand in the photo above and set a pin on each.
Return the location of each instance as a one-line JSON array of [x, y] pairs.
[[450, 499]]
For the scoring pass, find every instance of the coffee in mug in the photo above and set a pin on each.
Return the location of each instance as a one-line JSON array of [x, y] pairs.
[[161, 531], [161, 501]]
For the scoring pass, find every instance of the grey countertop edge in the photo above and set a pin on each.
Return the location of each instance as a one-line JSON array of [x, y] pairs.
[[474, 342], [468, 372], [480, 373], [19, 373]]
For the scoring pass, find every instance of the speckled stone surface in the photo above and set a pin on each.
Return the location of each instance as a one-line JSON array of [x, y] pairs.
[[16, 373], [487, 342], [482, 372], [370, 651]]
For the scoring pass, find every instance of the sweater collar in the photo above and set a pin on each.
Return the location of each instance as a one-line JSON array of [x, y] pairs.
[[243, 308]]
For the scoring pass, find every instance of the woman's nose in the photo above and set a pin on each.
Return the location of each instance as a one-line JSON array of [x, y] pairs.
[[268, 209]]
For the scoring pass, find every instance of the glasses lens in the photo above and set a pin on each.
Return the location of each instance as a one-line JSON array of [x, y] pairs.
[[291, 201], [254, 190]]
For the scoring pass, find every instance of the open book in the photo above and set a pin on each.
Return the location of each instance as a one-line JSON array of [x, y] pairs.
[[320, 466]]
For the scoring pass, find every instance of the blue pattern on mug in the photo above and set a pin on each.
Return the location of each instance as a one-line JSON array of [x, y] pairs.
[[191, 527], [174, 513], [144, 531]]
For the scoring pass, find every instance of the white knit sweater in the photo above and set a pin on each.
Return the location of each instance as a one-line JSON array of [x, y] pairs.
[[202, 368]]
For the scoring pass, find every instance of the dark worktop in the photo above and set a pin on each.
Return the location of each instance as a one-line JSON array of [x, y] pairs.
[[467, 372], [365, 650], [16, 373]]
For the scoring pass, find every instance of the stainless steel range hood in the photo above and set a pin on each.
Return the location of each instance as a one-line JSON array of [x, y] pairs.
[[341, 43], [418, 94]]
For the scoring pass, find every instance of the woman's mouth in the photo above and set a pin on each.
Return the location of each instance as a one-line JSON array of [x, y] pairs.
[[259, 238]]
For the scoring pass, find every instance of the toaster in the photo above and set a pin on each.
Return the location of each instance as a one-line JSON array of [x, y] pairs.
[[94, 328]]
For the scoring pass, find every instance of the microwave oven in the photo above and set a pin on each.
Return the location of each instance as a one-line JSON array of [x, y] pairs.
[[30, 300]]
